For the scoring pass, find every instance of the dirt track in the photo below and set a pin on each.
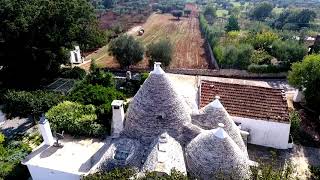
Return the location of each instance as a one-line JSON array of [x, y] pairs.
[[189, 51]]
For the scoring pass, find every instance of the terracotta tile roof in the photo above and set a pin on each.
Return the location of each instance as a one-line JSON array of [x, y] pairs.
[[247, 101]]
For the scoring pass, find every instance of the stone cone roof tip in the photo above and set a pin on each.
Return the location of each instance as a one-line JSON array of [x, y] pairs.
[[156, 108], [220, 133], [157, 68], [209, 156], [215, 113]]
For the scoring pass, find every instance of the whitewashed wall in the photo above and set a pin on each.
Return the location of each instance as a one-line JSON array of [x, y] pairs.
[[266, 133], [2, 117], [39, 173]]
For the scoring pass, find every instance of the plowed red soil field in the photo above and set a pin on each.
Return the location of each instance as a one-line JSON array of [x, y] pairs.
[[189, 48]]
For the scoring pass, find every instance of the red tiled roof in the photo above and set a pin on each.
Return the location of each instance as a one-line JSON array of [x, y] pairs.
[[247, 101]]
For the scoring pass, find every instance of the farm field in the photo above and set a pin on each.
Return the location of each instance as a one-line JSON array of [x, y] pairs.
[[189, 51]]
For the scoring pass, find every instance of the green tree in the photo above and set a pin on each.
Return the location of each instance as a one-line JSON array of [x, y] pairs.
[[29, 103], [232, 24], [177, 13], [288, 51], [126, 50], [36, 36], [261, 11], [160, 51], [305, 76], [294, 19], [187, 12], [210, 11], [264, 40]]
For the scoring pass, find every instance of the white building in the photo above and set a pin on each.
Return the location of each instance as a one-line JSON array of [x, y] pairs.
[[75, 56]]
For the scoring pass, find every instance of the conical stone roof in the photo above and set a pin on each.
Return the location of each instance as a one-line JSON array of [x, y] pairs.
[[165, 154], [156, 108], [213, 154], [215, 113]]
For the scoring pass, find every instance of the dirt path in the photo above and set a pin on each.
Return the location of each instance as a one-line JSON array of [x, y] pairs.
[[189, 51]]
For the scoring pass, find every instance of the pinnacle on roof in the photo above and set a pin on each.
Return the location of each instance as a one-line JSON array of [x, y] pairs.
[[156, 108], [165, 154], [215, 113], [213, 153]]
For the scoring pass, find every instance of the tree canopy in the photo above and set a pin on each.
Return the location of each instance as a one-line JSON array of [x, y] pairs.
[[126, 50], [305, 76], [160, 52], [261, 11], [233, 24], [36, 35], [177, 13], [294, 19]]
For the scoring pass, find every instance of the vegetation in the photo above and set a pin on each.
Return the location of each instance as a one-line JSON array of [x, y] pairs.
[[232, 24], [11, 155], [75, 119], [29, 103], [129, 173], [315, 172], [74, 73], [294, 19], [100, 77], [160, 51], [126, 50], [261, 11], [99, 96], [177, 13], [32, 47], [305, 76]]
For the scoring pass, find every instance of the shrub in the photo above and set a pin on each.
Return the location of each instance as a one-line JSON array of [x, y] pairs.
[[121, 174], [11, 155], [315, 172], [99, 96], [25, 103], [74, 73], [99, 77], [260, 57], [265, 68], [75, 119], [160, 52], [288, 51], [295, 125], [264, 40]]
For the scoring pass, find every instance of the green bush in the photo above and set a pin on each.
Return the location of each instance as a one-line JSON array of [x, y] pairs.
[[315, 172], [99, 96], [295, 125], [74, 73], [265, 68], [260, 57], [99, 77], [75, 119], [288, 51], [11, 155], [25, 103], [119, 174]]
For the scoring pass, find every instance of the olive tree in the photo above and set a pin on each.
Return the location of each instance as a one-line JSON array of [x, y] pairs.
[[126, 50], [160, 52]]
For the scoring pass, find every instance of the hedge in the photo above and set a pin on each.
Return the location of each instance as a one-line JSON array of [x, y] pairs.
[[74, 73], [254, 68], [26, 103], [75, 119]]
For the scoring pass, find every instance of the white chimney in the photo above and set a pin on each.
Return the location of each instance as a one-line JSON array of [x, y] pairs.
[[45, 130], [117, 117], [157, 68]]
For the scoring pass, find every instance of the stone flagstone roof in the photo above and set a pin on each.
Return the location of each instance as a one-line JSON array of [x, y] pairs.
[[213, 153], [215, 113], [156, 108]]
